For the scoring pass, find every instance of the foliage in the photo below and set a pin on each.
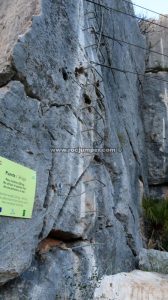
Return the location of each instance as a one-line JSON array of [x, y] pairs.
[[156, 222]]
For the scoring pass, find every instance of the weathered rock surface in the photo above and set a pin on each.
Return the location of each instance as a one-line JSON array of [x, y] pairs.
[[157, 40], [136, 285], [155, 106], [15, 19], [59, 90], [153, 261], [155, 114]]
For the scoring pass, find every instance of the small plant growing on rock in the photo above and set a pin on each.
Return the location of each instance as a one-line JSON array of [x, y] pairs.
[[156, 222]]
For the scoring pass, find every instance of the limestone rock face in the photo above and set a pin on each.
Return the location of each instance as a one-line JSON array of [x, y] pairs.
[[59, 91], [157, 42], [155, 116], [153, 261], [16, 17], [155, 107], [130, 286]]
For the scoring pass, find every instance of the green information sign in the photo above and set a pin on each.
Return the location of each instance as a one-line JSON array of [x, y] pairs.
[[17, 189]]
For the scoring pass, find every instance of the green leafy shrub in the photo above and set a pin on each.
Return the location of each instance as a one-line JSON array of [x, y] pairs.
[[156, 222]]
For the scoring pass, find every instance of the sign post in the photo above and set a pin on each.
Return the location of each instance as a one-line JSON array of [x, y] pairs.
[[17, 189]]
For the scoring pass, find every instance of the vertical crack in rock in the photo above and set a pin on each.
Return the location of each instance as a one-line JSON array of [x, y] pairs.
[[50, 194], [128, 235], [71, 190], [136, 156]]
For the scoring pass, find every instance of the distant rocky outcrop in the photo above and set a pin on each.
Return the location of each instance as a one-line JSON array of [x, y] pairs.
[[155, 106]]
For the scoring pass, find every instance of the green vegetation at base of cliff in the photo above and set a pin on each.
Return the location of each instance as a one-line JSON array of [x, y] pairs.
[[155, 213]]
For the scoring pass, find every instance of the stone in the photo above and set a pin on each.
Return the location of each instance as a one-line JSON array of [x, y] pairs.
[[153, 261], [59, 93], [155, 107], [157, 45], [16, 17], [133, 285]]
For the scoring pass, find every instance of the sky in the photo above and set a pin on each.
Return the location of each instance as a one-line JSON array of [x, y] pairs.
[[160, 6]]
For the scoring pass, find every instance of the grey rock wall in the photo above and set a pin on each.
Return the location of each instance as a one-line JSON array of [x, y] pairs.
[[155, 107], [15, 18], [153, 261], [53, 95]]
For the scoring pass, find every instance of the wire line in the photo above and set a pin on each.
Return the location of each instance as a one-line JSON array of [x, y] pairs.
[[126, 71], [131, 44], [119, 11]]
